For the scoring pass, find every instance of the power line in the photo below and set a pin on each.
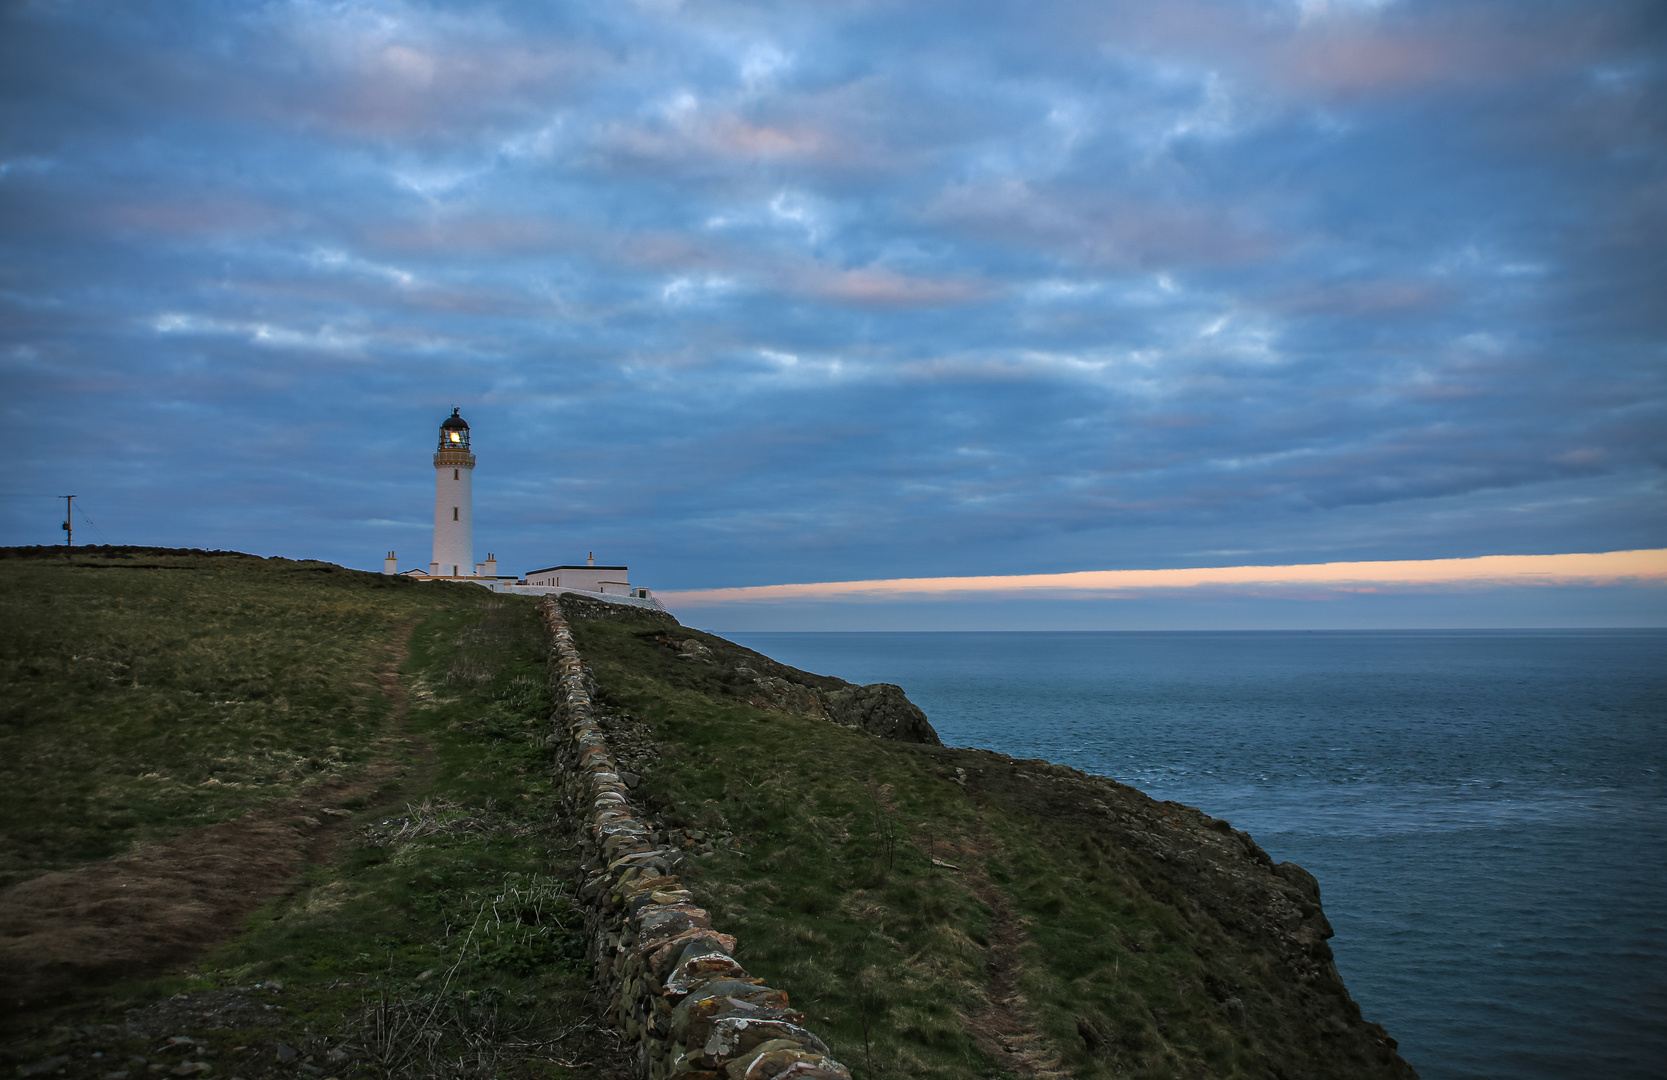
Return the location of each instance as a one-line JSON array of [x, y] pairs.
[[96, 529]]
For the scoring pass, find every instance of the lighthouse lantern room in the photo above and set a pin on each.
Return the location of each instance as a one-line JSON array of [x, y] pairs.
[[454, 528]]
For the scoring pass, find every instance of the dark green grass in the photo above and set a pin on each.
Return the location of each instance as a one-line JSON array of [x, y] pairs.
[[444, 911], [469, 923], [119, 666], [827, 881], [866, 936], [156, 691], [483, 823]]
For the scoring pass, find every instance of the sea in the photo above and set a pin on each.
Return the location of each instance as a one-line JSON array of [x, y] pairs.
[[1485, 810]]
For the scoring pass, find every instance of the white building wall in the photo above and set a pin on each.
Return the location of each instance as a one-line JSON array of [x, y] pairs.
[[454, 532], [614, 580]]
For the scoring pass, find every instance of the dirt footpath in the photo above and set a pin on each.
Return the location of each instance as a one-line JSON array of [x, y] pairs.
[[169, 901]]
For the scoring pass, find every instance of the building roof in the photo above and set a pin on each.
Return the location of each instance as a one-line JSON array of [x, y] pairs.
[[547, 569], [454, 422]]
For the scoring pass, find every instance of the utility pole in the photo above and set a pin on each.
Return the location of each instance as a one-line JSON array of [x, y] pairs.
[[69, 529]]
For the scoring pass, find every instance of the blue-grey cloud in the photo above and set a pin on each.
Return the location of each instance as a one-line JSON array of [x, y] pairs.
[[752, 293]]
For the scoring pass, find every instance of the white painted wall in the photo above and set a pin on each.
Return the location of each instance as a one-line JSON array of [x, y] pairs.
[[454, 534], [614, 580]]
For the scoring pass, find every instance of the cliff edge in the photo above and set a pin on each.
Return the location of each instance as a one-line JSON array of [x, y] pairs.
[[955, 912]]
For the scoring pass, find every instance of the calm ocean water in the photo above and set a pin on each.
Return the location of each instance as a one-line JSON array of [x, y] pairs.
[[1485, 810]]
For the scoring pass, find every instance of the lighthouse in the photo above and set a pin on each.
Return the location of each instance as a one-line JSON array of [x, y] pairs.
[[454, 526], [454, 538]]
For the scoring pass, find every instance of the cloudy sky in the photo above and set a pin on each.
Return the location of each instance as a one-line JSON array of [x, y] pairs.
[[753, 294]]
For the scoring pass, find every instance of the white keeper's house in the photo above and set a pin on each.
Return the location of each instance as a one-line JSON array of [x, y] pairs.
[[454, 538]]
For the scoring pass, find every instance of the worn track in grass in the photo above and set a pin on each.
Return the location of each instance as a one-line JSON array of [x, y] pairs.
[[1005, 1028], [169, 901]]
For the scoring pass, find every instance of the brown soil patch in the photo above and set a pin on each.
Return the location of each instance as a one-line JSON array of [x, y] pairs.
[[169, 901], [1004, 1028]]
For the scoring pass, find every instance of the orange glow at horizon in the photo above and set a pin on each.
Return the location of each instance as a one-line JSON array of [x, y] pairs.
[[1604, 568]]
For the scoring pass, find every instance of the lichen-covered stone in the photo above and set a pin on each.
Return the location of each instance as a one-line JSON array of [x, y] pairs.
[[784, 1063], [664, 951], [703, 968], [822, 1069], [693, 1018], [733, 1036], [770, 1057]]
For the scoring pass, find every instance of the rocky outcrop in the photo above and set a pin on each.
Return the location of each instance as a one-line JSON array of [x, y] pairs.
[[881, 709]]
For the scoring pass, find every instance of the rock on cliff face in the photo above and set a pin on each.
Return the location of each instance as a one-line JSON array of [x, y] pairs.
[[881, 709]]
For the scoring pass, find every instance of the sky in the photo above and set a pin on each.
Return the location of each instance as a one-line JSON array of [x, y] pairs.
[[751, 295]]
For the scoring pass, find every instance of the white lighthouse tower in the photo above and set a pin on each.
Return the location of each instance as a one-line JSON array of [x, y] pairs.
[[454, 526]]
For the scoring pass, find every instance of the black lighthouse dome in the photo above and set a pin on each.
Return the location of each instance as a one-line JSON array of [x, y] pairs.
[[454, 433]]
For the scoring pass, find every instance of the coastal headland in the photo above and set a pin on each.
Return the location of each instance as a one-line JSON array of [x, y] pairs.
[[278, 818]]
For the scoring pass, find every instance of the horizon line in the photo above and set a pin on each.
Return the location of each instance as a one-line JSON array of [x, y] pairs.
[[1637, 566]]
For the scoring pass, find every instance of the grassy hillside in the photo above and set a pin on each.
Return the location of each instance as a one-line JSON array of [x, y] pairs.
[[154, 690], [954, 913], [273, 818], [280, 806]]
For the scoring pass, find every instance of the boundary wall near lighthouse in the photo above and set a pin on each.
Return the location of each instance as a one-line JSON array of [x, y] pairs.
[[670, 981]]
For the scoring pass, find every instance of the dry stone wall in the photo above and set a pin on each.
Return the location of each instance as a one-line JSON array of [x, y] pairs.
[[671, 983]]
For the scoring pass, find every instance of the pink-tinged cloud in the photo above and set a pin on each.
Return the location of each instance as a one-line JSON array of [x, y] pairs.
[[363, 73], [1353, 299], [494, 234], [1606, 568], [674, 252], [197, 217], [1341, 50], [695, 140], [1098, 227], [875, 287]]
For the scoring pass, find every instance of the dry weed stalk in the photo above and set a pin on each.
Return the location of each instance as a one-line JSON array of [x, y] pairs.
[[439, 1035], [440, 817]]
